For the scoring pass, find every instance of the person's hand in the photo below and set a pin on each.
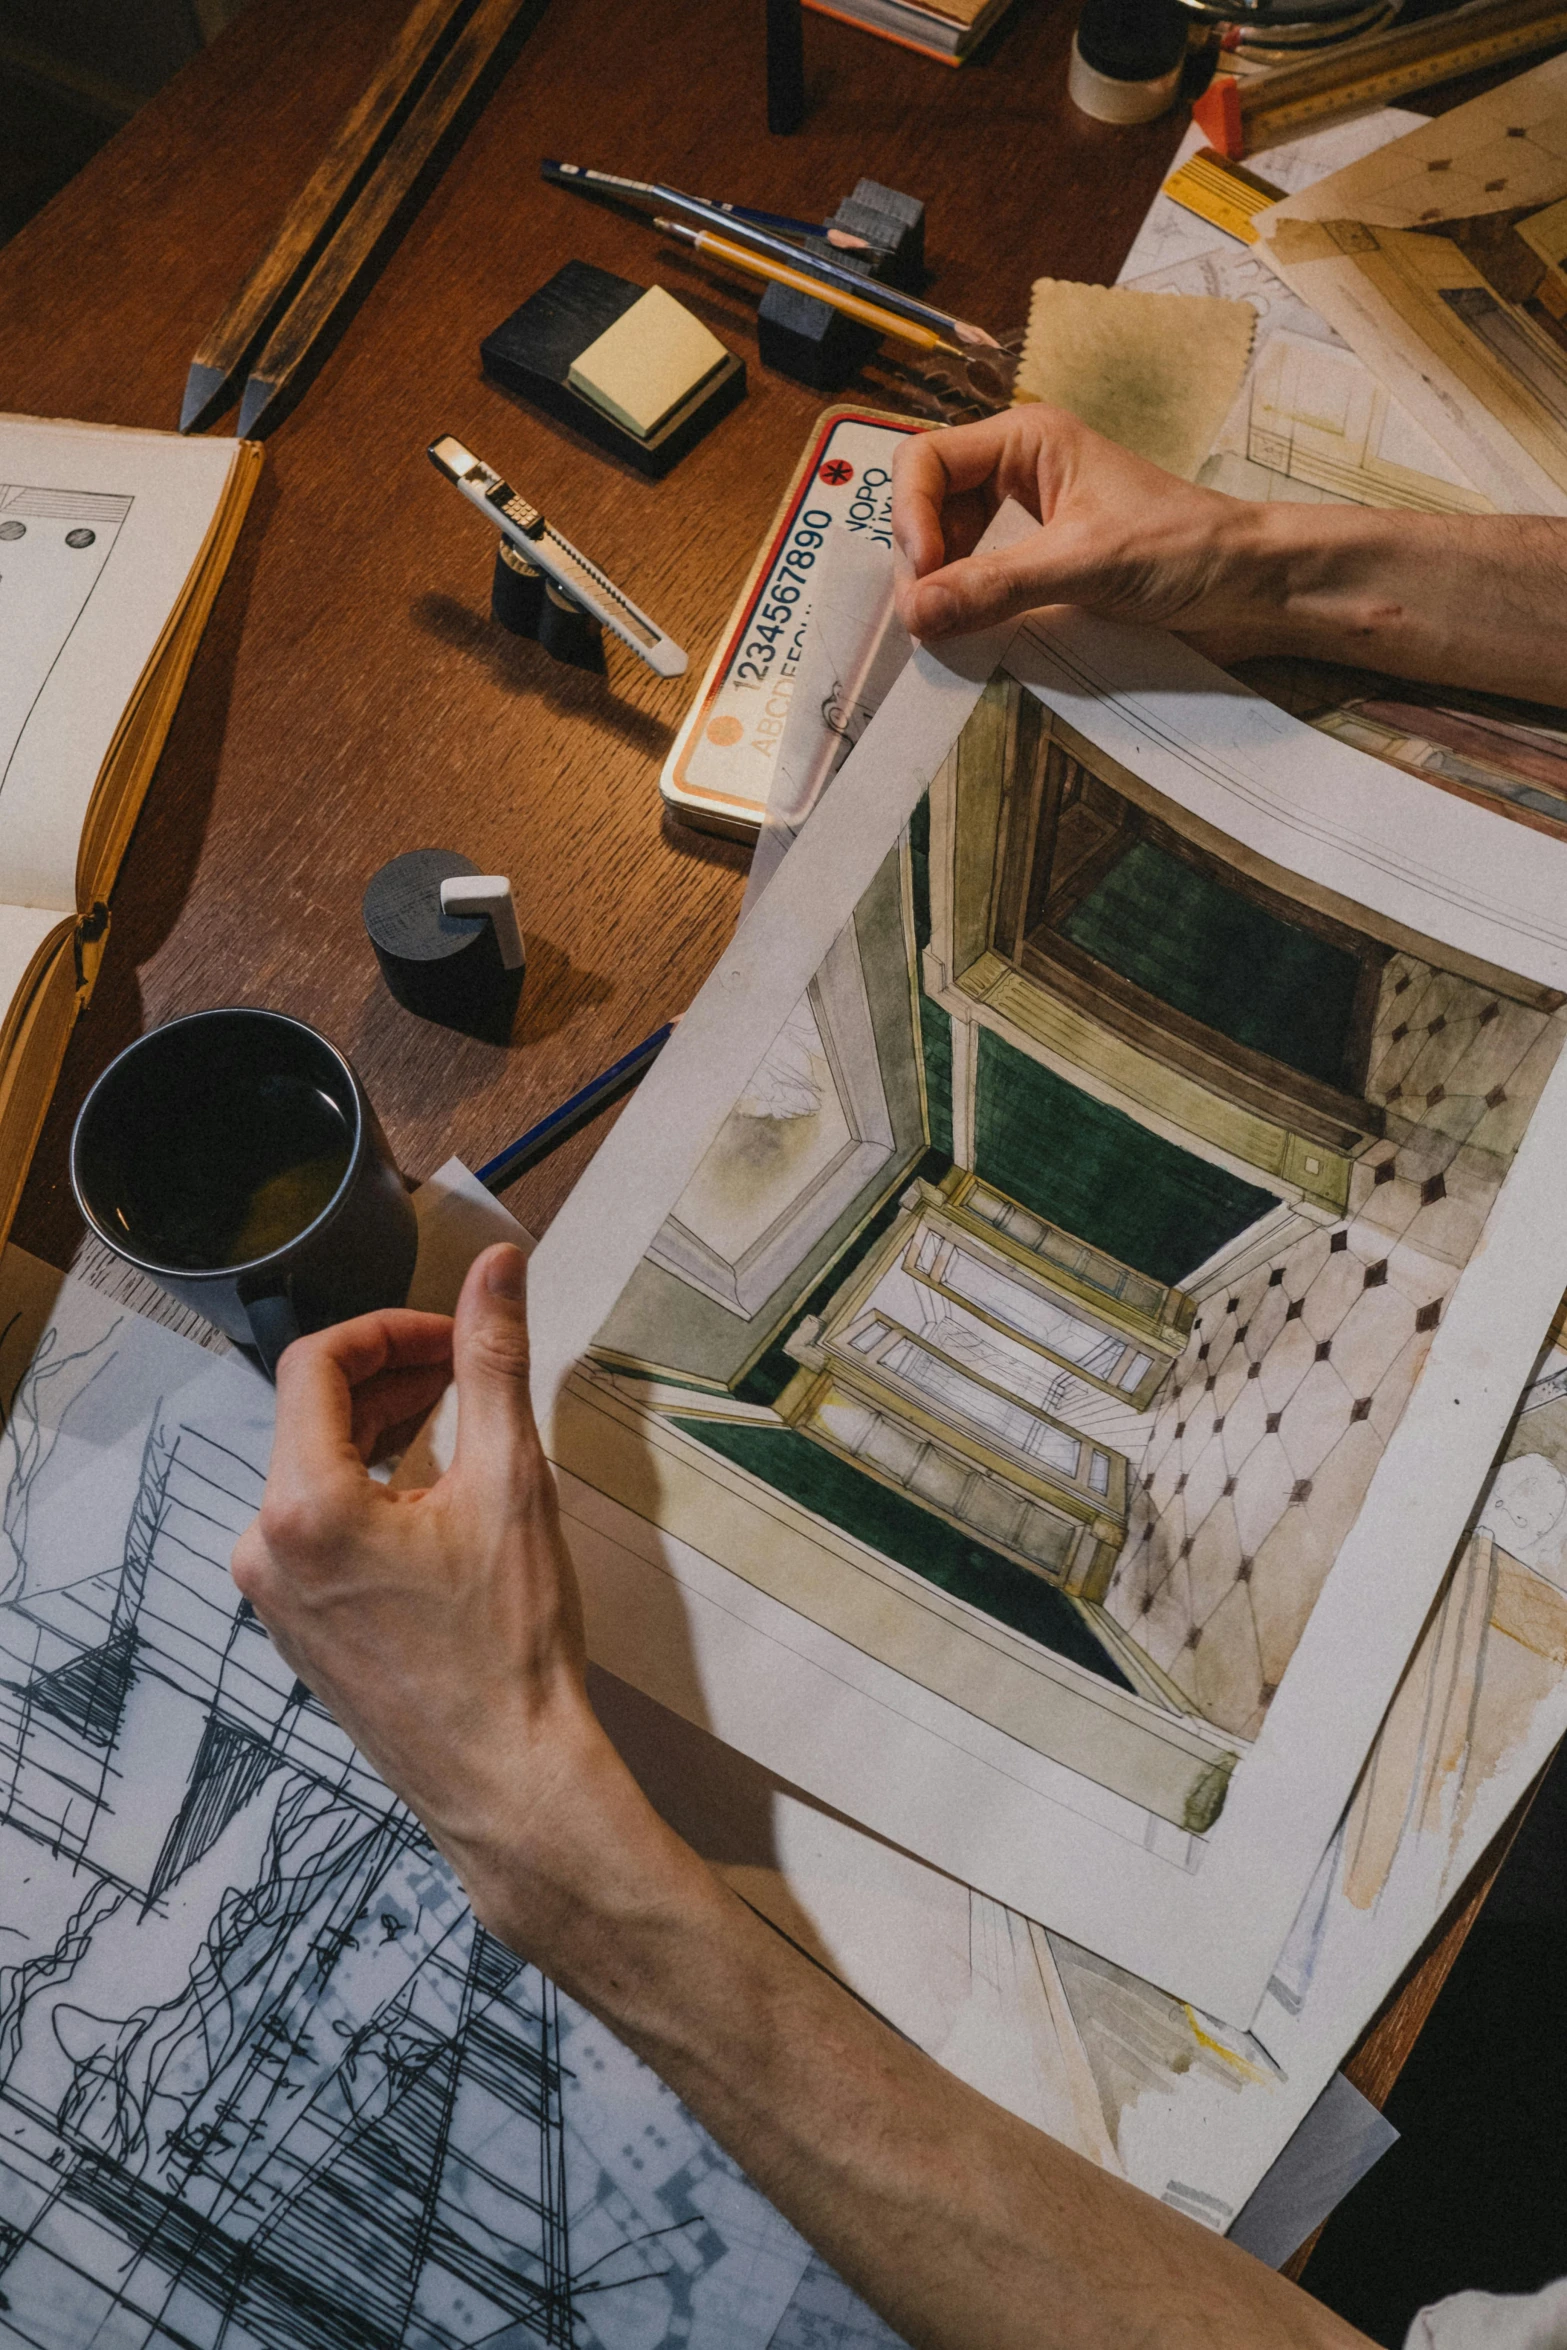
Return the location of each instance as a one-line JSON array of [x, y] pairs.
[[443, 1628], [1116, 534]]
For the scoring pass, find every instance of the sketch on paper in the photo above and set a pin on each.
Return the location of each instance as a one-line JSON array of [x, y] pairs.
[[1039, 1316], [264, 2083], [1313, 423], [54, 544], [1439, 261]]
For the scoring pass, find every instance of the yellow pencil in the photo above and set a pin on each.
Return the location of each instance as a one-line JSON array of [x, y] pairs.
[[778, 273]]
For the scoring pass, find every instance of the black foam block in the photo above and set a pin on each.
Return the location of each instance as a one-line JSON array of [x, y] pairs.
[[531, 354]]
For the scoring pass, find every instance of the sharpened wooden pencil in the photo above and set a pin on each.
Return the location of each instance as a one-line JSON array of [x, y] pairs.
[[376, 205], [234, 337], [777, 273]]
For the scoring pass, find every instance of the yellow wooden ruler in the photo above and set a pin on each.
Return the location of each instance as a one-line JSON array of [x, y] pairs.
[[1221, 192]]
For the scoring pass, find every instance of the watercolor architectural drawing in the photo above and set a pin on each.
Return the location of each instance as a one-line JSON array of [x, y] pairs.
[[1073, 1253], [1039, 1324], [1195, 2112]]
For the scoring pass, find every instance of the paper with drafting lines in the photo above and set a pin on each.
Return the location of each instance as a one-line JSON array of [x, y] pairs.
[[1421, 256], [875, 1346], [1311, 422], [263, 2080]]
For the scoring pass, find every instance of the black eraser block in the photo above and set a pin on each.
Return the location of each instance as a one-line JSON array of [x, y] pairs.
[[895, 248], [907, 211], [444, 967], [531, 354], [811, 341]]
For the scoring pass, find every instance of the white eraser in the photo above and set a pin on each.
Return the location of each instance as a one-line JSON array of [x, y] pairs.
[[487, 893]]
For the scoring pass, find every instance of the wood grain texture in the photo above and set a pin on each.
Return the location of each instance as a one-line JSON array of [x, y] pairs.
[[352, 699], [352, 148], [410, 153]]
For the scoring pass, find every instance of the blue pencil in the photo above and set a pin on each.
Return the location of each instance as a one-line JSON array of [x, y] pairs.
[[540, 1140]]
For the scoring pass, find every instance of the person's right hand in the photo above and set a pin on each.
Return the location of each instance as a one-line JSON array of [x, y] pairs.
[[1117, 534]]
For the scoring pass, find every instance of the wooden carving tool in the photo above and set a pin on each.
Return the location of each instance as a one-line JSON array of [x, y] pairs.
[[376, 205], [231, 340]]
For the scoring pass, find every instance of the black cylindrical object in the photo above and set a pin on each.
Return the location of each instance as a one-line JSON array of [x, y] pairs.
[[1126, 58], [516, 592], [445, 967], [567, 633], [785, 66]]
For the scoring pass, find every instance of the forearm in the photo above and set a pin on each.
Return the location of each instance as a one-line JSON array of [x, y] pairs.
[[1476, 600], [966, 2228], [1471, 599]]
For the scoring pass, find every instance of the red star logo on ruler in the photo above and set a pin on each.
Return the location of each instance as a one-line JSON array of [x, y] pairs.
[[836, 472]]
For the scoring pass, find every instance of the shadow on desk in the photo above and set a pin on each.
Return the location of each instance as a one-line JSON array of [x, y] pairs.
[[518, 666], [1474, 2195]]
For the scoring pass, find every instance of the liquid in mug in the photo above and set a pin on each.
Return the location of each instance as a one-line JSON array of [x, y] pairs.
[[256, 1170]]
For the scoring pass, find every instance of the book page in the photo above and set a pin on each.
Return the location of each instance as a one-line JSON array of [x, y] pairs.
[[100, 531]]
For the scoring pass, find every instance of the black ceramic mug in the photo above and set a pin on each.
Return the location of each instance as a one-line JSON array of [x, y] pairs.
[[234, 1156]]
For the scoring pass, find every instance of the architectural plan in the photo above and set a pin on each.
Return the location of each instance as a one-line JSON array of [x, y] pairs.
[[857, 1416], [1311, 422], [263, 2082], [1430, 258]]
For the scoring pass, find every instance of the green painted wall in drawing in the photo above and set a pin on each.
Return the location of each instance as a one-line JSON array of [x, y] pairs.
[[1222, 959], [1099, 1173]]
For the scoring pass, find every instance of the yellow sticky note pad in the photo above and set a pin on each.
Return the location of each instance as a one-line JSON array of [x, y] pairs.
[[655, 357]]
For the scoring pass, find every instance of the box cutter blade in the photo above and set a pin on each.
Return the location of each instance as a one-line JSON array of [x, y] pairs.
[[525, 528]]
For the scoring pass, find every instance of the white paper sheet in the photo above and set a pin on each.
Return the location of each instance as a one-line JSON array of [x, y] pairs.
[[99, 532], [828, 1714]]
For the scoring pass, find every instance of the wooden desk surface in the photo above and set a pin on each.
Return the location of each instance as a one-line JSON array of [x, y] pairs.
[[351, 698]]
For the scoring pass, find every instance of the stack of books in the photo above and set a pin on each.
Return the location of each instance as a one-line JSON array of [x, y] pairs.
[[948, 32]]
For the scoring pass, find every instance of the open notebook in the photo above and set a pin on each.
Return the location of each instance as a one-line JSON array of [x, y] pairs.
[[112, 545]]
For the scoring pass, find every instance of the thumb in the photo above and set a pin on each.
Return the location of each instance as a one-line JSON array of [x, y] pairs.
[[497, 1443], [982, 590]]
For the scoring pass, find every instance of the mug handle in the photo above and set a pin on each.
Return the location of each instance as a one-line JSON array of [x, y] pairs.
[[273, 1326]]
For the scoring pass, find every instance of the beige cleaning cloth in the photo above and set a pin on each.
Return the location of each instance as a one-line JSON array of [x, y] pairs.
[[653, 357], [1156, 372]]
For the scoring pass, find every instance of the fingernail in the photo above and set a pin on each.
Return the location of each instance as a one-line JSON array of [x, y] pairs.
[[506, 1273]]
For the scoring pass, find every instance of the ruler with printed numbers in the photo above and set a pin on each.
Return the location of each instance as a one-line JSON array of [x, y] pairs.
[[1223, 193], [1377, 69], [720, 769]]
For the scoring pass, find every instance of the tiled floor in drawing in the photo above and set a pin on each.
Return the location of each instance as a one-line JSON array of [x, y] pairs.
[[1265, 1441]]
